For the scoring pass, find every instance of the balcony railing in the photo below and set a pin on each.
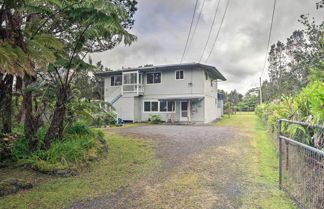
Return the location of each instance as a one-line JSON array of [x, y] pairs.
[[133, 88]]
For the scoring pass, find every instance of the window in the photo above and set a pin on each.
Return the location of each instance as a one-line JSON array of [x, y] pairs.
[[151, 106], [116, 80], [147, 106], [206, 76], [171, 106], [156, 106], [130, 78], [163, 106], [179, 75], [167, 106], [153, 78]]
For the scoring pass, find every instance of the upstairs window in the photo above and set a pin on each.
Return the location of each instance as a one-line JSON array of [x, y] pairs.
[[153, 78], [179, 75], [116, 80], [130, 78]]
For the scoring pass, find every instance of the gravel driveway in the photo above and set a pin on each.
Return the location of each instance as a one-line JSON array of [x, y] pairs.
[[177, 142], [175, 146]]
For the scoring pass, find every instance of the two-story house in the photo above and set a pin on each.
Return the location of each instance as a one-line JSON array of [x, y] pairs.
[[180, 92]]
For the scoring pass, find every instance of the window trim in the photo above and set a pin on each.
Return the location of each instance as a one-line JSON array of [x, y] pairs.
[[182, 74], [151, 106], [153, 83], [131, 72], [175, 107], [167, 111], [113, 76]]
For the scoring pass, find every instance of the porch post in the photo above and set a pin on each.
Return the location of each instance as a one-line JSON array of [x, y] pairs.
[[137, 82], [172, 114], [188, 110]]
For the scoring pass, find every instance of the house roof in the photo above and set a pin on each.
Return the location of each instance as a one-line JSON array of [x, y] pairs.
[[211, 69]]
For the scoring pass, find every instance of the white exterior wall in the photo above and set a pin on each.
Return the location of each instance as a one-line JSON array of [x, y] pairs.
[[212, 112], [131, 106], [125, 108]]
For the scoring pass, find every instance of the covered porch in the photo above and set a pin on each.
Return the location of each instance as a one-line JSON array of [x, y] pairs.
[[184, 109]]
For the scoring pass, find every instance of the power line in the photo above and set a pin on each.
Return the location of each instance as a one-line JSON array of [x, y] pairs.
[[193, 17], [266, 53], [219, 29], [210, 31], [196, 25], [269, 38]]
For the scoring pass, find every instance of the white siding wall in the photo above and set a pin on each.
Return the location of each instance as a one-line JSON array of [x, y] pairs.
[[130, 106]]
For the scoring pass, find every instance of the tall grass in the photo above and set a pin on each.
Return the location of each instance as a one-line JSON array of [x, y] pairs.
[[80, 144]]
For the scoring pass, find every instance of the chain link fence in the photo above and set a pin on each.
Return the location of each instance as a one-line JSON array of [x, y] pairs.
[[301, 170]]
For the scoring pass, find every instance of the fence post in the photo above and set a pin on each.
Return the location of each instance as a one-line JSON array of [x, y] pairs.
[[279, 153]]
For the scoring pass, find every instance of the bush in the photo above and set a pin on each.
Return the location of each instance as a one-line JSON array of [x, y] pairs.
[[155, 118], [79, 127], [68, 154], [307, 106], [104, 119], [20, 149], [80, 144], [71, 150]]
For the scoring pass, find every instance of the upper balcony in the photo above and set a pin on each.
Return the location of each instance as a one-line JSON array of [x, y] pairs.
[[132, 82]]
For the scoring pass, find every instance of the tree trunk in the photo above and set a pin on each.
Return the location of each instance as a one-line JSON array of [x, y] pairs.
[[6, 103], [31, 124], [55, 131]]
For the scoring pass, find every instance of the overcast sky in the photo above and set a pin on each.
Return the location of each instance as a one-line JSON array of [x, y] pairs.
[[162, 27]]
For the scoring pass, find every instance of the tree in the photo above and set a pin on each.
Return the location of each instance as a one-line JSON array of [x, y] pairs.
[[234, 97], [90, 86], [21, 56], [92, 26], [290, 62]]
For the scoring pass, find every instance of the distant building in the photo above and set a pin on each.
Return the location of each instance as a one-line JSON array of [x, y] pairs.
[[181, 92]]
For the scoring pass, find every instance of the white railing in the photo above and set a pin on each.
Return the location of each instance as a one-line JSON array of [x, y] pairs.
[[133, 88]]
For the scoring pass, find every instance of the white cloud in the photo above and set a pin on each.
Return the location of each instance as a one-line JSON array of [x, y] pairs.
[[162, 27]]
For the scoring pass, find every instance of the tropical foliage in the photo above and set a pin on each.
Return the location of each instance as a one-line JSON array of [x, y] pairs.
[[307, 106], [298, 85], [46, 73]]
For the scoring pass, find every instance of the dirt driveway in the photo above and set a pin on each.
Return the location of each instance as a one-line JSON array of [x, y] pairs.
[[201, 167], [176, 146], [178, 142]]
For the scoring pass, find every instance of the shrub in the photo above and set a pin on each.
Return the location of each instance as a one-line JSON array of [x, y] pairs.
[[307, 106], [68, 154], [71, 150], [155, 118], [103, 119], [80, 144], [79, 127], [20, 149]]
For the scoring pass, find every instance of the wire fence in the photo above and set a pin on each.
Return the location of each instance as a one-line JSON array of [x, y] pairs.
[[301, 170]]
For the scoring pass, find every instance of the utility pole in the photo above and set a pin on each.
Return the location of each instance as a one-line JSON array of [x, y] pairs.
[[260, 91]]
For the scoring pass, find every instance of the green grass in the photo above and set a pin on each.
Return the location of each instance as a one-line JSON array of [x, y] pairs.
[[262, 166], [128, 160]]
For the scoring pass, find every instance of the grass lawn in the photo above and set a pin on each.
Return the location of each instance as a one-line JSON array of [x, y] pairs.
[[242, 173], [128, 160], [262, 167]]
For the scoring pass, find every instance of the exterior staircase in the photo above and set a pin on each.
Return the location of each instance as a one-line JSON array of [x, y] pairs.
[[116, 99], [116, 95]]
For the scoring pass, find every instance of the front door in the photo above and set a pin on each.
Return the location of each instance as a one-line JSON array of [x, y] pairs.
[[183, 111]]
